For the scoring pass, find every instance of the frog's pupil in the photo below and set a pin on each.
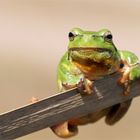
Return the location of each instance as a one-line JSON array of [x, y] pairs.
[[109, 36], [71, 34]]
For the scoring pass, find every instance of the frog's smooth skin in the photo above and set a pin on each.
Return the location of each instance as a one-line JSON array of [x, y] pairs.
[[92, 55]]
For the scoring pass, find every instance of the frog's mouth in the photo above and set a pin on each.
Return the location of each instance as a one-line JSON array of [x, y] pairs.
[[90, 49], [95, 55]]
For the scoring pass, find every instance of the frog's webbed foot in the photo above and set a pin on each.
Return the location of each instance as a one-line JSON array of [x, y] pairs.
[[65, 130], [124, 80], [85, 86]]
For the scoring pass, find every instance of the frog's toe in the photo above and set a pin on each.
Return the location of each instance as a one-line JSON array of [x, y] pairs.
[[65, 130], [126, 87], [85, 86], [81, 87]]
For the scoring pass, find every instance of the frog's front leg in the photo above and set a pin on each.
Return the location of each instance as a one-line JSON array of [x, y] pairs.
[[130, 70], [85, 86], [124, 80]]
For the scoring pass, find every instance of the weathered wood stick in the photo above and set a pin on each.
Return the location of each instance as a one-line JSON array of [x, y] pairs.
[[62, 107]]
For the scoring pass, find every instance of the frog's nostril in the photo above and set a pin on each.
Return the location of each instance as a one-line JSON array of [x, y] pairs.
[[93, 36]]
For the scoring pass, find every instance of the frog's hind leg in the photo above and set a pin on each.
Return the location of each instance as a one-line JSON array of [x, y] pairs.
[[117, 112], [65, 130]]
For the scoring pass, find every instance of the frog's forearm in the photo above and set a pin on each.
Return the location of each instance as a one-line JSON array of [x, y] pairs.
[[68, 75]]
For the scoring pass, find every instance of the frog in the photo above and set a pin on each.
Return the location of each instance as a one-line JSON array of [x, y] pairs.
[[91, 55]]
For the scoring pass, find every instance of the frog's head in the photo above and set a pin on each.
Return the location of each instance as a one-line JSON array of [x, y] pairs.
[[93, 48]]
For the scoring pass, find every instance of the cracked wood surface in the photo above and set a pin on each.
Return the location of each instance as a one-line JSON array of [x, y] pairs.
[[63, 106]]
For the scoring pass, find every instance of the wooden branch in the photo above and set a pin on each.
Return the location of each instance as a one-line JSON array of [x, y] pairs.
[[62, 107]]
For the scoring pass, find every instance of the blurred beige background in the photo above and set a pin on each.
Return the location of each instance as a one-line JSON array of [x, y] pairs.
[[33, 37]]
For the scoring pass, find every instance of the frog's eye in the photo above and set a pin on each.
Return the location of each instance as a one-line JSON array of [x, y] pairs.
[[108, 36], [121, 65], [71, 36]]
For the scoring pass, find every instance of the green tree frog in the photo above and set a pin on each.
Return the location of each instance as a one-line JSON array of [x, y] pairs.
[[92, 55]]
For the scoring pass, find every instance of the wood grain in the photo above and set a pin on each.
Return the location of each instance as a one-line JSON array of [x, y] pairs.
[[61, 107]]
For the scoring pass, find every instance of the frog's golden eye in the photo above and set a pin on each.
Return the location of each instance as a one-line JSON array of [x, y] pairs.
[[108, 37], [71, 36]]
